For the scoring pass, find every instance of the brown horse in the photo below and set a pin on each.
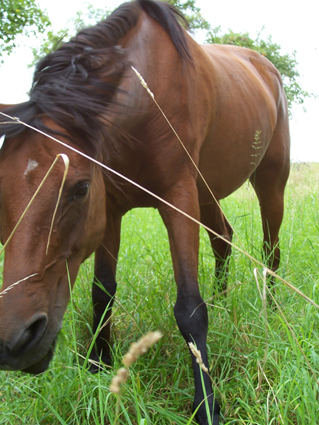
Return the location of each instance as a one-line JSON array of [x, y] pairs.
[[229, 108]]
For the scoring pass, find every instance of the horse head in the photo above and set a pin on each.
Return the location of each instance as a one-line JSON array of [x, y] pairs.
[[42, 256]]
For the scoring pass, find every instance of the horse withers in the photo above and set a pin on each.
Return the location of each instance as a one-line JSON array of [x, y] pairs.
[[228, 106]]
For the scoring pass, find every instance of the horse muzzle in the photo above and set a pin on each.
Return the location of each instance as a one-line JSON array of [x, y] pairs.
[[30, 349]]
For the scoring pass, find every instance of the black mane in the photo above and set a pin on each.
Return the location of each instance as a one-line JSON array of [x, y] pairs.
[[69, 84]]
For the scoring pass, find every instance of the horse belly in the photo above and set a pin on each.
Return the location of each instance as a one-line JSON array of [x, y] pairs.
[[226, 163], [242, 124]]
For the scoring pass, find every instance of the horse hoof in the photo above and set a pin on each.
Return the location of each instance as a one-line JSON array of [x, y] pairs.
[[202, 419], [216, 420]]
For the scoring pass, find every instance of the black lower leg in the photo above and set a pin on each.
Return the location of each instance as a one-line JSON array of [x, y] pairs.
[[102, 296], [103, 293], [191, 316]]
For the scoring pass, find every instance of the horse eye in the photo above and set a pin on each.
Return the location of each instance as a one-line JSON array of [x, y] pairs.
[[80, 190]]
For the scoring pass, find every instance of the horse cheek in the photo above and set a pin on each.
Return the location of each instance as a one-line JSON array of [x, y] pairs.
[[96, 219]]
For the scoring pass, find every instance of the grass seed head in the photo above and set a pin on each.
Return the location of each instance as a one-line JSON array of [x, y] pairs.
[[136, 350], [140, 347], [198, 357], [119, 379]]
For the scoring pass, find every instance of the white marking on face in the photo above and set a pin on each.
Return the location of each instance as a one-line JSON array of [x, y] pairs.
[[2, 139], [32, 164]]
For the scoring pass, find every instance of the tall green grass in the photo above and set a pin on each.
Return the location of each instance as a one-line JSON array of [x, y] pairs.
[[264, 364]]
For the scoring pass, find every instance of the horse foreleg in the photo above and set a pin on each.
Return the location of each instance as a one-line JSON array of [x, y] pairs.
[[190, 310], [103, 291]]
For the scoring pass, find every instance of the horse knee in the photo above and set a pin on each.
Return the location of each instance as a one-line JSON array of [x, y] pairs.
[[191, 317]]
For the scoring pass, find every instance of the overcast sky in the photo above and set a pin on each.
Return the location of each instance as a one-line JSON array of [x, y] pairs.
[[293, 25]]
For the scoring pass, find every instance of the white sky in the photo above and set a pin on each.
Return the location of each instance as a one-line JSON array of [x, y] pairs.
[[293, 25]]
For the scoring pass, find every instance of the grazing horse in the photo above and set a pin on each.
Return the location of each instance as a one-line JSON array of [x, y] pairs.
[[228, 106]]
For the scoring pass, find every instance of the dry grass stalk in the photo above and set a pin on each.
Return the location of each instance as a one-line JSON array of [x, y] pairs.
[[66, 161], [263, 295], [262, 291], [66, 166], [9, 288], [146, 87], [134, 183], [135, 351], [198, 356], [272, 391], [238, 248], [292, 332], [143, 82]]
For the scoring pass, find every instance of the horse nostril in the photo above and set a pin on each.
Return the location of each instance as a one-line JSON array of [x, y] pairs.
[[31, 334]]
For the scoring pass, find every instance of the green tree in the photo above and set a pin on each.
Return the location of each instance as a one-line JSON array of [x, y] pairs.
[[54, 40], [17, 17], [92, 15], [286, 64], [192, 13]]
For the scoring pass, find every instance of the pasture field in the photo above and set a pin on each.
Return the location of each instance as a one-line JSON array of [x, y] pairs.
[[264, 360]]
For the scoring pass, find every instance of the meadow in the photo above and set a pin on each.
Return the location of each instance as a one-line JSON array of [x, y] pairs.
[[264, 359]]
